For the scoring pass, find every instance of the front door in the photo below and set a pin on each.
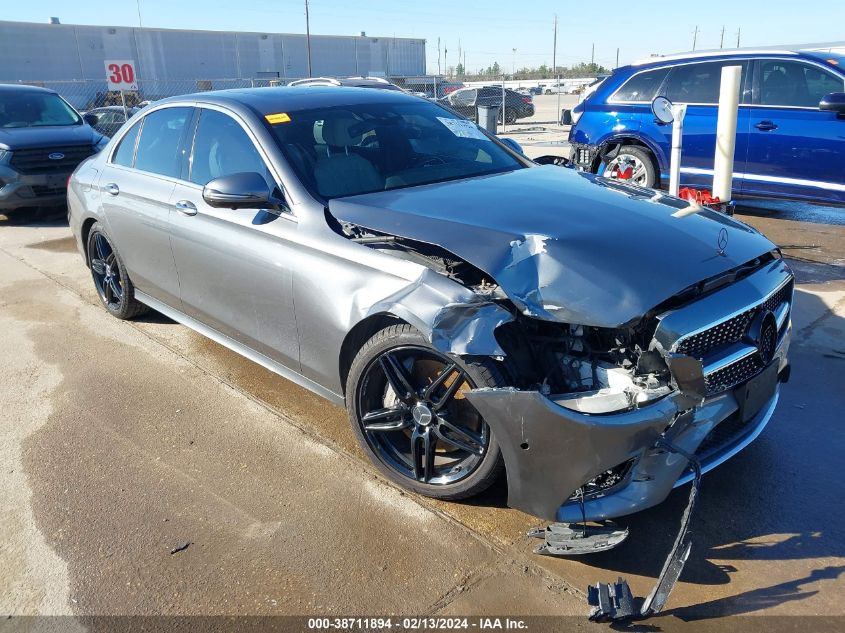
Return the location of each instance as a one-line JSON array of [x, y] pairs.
[[697, 85], [233, 264], [795, 149], [135, 189]]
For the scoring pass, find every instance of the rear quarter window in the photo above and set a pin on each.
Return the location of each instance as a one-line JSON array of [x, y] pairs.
[[125, 151]]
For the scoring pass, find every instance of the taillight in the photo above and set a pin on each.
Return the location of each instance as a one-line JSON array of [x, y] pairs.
[[526, 100]]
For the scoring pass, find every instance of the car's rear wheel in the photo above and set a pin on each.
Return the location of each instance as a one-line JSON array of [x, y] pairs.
[[113, 285], [406, 402], [631, 164]]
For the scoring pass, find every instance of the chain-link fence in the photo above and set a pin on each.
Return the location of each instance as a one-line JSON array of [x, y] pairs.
[[519, 103]]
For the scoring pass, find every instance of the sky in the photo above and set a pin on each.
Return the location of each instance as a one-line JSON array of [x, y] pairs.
[[486, 31]]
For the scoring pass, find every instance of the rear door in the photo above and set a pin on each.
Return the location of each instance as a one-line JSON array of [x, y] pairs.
[[135, 188], [795, 149], [697, 85], [234, 264]]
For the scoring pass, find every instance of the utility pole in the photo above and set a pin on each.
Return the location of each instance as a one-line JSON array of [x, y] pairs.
[[554, 49], [722, 39], [138, 4], [513, 64], [694, 37], [439, 72], [593, 55], [617, 57], [446, 63], [738, 32], [308, 37]]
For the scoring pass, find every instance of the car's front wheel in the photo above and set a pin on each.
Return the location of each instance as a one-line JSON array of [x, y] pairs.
[[406, 402], [631, 164], [113, 285]]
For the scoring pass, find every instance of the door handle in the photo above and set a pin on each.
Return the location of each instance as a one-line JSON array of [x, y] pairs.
[[112, 189], [766, 126], [186, 207]]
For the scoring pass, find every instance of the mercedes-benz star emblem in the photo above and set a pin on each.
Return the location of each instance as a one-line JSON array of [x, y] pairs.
[[422, 414], [723, 240], [763, 334]]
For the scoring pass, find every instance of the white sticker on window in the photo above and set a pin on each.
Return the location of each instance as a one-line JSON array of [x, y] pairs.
[[462, 128]]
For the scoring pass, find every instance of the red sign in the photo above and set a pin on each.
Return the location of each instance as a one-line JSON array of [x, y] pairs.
[[120, 74]]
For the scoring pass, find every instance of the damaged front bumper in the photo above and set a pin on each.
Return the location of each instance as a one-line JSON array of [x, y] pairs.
[[551, 451]]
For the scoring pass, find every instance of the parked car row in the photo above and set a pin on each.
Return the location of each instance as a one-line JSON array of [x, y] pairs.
[[790, 125], [466, 101]]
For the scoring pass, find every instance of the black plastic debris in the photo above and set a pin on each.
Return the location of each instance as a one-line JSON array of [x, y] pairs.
[[614, 602], [180, 548]]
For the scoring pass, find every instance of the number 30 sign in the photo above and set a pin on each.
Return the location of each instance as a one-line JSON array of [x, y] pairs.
[[120, 74]]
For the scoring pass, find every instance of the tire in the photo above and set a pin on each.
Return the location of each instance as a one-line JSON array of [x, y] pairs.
[[638, 156], [367, 388], [111, 281]]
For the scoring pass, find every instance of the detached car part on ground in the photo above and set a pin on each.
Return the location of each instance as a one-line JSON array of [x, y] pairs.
[[472, 310]]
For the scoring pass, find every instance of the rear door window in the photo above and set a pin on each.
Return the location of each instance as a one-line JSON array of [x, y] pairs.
[[161, 137], [795, 84], [642, 87], [699, 83]]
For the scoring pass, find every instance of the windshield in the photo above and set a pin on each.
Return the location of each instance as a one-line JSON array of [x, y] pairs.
[[362, 148], [35, 109]]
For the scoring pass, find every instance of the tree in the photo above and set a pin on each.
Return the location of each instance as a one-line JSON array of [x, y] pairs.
[[459, 70]]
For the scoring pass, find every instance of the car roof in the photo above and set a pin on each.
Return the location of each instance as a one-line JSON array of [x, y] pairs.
[[294, 98], [786, 51], [24, 88]]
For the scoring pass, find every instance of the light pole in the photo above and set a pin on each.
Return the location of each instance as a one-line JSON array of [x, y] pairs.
[[513, 65], [308, 37]]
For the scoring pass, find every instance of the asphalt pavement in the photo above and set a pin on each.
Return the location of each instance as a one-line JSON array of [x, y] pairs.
[[147, 470]]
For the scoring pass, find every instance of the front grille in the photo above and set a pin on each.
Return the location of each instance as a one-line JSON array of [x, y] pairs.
[[39, 190], [727, 332], [726, 336], [37, 161], [733, 375]]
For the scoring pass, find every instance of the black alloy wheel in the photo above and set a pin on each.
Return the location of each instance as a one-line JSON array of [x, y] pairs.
[[110, 278], [410, 412]]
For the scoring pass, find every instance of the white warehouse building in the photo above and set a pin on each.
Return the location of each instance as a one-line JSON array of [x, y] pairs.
[[174, 61]]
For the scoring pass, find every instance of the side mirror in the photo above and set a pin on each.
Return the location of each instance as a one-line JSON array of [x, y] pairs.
[[513, 145], [244, 190], [91, 119], [662, 109], [834, 102]]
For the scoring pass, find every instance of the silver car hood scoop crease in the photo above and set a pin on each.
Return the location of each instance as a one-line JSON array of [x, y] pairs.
[[563, 245]]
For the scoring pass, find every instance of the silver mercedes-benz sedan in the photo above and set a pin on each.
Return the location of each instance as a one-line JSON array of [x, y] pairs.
[[474, 311]]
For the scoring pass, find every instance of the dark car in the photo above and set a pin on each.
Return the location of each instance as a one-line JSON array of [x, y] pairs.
[[474, 311], [790, 124], [110, 118], [379, 83], [42, 140], [466, 101]]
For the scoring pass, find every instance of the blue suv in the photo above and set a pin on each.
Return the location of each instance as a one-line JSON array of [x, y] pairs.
[[790, 132]]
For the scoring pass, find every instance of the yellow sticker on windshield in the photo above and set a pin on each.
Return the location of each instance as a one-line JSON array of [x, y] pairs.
[[280, 117]]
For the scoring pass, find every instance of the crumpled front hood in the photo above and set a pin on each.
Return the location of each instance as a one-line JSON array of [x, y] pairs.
[[47, 136], [564, 246]]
